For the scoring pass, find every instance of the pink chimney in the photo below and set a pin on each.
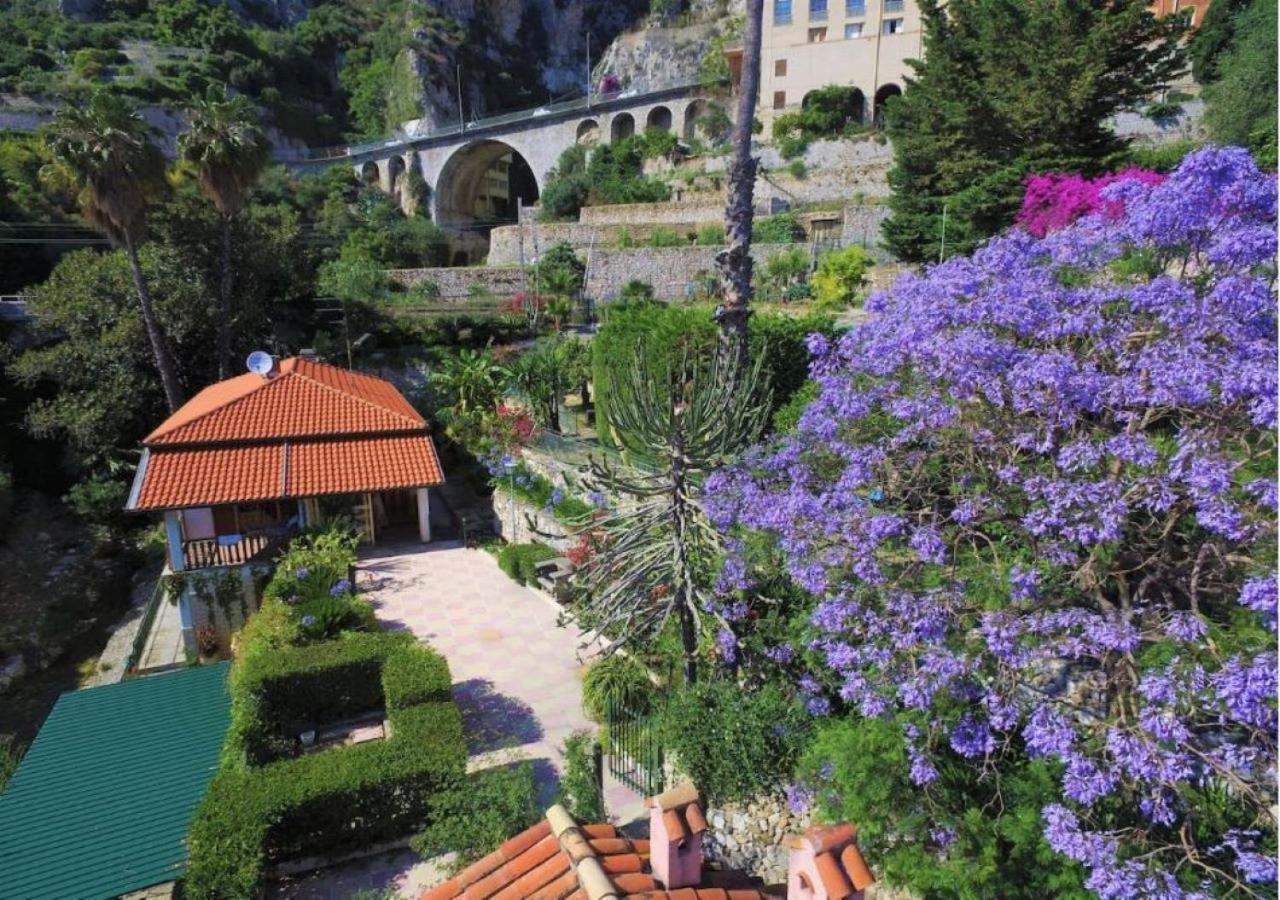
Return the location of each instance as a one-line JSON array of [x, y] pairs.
[[827, 865], [676, 825]]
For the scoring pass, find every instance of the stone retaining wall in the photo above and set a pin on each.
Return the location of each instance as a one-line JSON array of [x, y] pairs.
[[511, 522], [670, 212], [455, 283], [751, 836]]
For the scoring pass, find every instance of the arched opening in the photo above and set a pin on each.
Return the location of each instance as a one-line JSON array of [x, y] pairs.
[[622, 127], [395, 171], [884, 95], [692, 113], [588, 132], [659, 117], [480, 187], [839, 104], [369, 173]]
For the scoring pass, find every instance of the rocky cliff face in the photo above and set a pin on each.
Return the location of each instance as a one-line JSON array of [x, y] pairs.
[[672, 48]]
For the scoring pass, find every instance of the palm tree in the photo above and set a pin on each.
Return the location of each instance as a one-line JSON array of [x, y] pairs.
[[734, 261], [103, 152], [229, 150]]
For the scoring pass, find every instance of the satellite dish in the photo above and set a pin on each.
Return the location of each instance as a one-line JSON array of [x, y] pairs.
[[261, 363]]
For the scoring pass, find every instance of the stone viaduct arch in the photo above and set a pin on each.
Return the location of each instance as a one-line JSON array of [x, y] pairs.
[[479, 178]]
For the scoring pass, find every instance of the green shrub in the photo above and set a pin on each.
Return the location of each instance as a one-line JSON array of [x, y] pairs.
[[636, 291], [828, 112], [732, 742], [782, 270], [336, 799], [797, 169], [841, 276], [625, 239], [579, 791], [655, 143], [327, 617], [860, 772], [661, 236], [787, 417], [477, 816], [272, 627], [520, 561], [10, 756], [782, 228], [616, 682], [313, 564], [711, 236]]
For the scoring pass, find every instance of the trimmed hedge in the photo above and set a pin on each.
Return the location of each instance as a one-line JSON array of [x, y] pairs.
[[337, 799], [276, 696], [520, 561]]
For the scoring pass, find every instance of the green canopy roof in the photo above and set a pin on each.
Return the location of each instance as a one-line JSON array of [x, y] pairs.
[[102, 801]]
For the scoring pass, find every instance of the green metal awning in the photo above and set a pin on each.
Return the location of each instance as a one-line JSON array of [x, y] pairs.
[[103, 799]]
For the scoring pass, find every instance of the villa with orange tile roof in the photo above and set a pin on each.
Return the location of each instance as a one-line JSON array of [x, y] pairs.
[[249, 460], [559, 859]]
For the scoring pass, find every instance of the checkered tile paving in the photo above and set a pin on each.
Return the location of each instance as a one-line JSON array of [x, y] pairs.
[[517, 674]]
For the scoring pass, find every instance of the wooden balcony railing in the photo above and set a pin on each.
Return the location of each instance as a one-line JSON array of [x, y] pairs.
[[253, 546]]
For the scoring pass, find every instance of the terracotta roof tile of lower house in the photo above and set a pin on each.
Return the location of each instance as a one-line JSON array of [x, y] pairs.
[[539, 864], [212, 476], [351, 465]]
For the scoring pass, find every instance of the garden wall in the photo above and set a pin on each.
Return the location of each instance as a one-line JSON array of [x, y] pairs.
[[751, 836], [666, 213], [455, 283], [671, 270], [511, 522]]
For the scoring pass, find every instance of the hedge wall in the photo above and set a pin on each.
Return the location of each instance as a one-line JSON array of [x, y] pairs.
[[337, 799], [668, 332]]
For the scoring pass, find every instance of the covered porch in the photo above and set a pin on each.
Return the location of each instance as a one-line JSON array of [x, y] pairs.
[[238, 534]]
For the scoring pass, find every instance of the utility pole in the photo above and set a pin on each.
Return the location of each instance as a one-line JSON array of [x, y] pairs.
[[942, 250], [461, 125]]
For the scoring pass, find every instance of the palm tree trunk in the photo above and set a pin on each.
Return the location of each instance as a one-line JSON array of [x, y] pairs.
[[734, 262], [224, 303], [159, 345]]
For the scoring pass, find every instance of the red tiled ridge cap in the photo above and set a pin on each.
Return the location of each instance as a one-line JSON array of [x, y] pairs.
[[306, 398]]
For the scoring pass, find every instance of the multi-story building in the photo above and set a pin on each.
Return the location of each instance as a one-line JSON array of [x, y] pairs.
[[809, 44]]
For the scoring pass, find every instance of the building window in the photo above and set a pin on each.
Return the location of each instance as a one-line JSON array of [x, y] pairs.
[[892, 6], [855, 9], [817, 35], [779, 99], [817, 10], [892, 26], [779, 67], [781, 12], [852, 30]]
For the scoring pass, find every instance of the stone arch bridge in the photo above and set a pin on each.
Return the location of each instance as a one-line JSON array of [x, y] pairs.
[[478, 175]]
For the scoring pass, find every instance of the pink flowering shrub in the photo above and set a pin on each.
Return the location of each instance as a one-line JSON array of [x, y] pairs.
[[1055, 200], [1034, 507]]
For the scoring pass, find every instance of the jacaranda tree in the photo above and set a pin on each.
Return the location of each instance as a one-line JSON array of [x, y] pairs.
[[1035, 504]]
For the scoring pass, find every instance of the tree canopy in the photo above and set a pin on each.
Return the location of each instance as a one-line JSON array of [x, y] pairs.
[[1008, 88]]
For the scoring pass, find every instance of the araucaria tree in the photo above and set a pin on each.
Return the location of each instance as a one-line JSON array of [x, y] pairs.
[[1008, 88], [1035, 505], [229, 150], [657, 550], [103, 153]]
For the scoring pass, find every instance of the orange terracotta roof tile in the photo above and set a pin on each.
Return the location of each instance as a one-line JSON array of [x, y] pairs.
[[537, 864], [305, 399], [351, 465], [210, 477]]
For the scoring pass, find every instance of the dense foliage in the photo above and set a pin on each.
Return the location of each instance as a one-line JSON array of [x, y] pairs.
[[607, 173], [520, 561], [338, 798], [734, 742], [1241, 92], [1007, 89], [1035, 501], [579, 791], [828, 112], [480, 813]]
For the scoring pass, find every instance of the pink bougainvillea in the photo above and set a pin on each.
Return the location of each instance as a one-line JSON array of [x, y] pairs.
[[1055, 200]]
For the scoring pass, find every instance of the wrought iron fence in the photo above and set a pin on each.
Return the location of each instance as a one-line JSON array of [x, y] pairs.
[[634, 748], [144, 628]]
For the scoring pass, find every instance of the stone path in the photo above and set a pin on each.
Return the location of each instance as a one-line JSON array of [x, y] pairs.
[[517, 678], [517, 675]]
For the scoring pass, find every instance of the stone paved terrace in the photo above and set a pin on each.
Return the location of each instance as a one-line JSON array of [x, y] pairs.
[[517, 674]]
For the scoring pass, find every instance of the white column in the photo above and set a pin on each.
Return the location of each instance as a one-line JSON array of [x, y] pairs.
[[173, 537], [424, 514]]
